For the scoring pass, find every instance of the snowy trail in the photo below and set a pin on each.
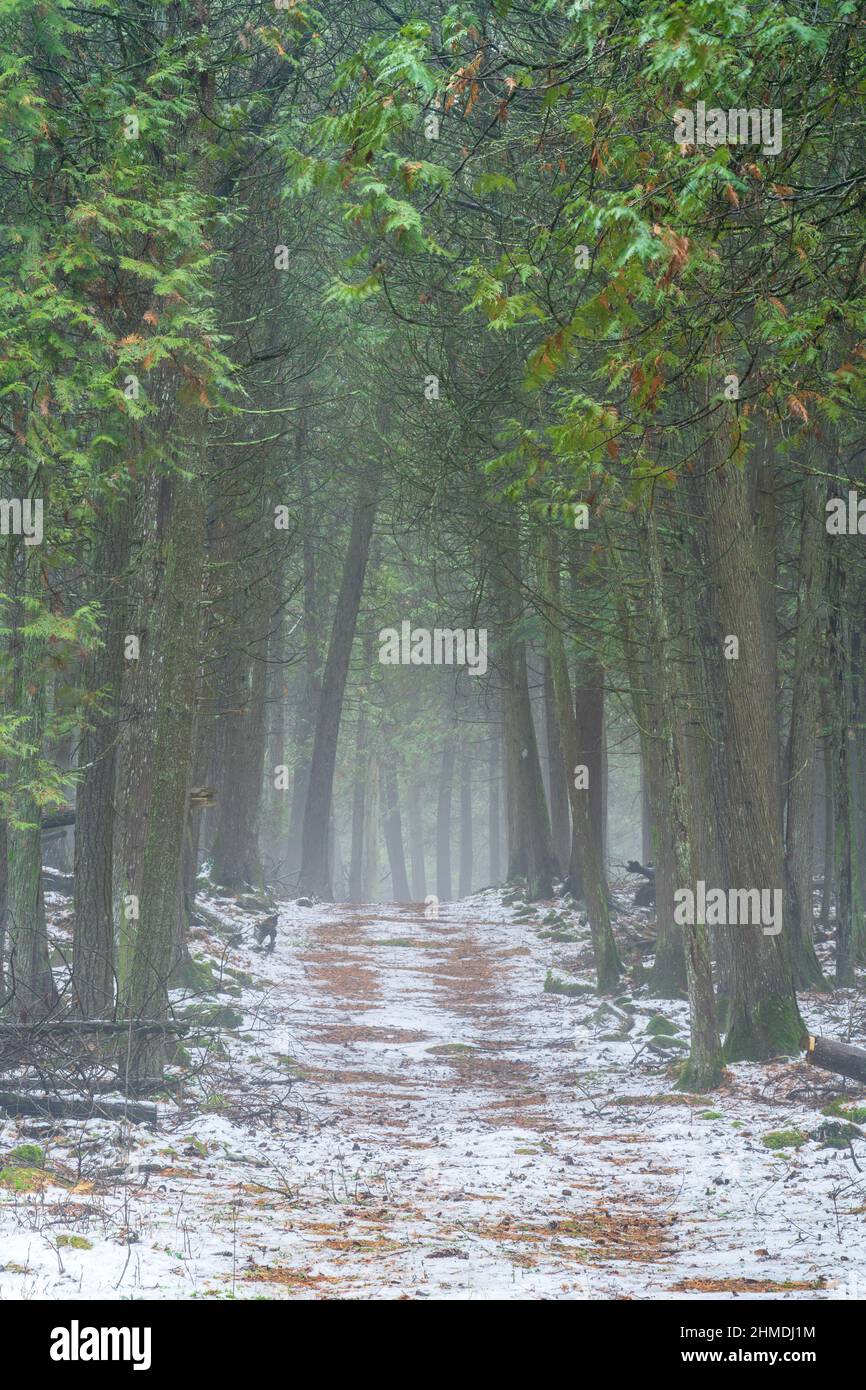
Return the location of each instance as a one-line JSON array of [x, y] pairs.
[[453, 1145], [405, 1113]]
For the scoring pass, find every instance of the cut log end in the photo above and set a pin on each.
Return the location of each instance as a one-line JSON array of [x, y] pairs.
[[838, 1057]]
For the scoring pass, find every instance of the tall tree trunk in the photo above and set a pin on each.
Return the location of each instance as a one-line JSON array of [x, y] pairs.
[[360, 789], [140, 683], [3, 900], [646, 823], [607, 963], [704, 737], [178, 634], [370, 851], [530, 850], [393, 827], [181, 543], [275, 826], [93, 968], [829, 840], [416, 842], [856, 744], [704, 1068], [199, 779], [30, 991], [560, 827], [464, 881], [236, 860], [668, 976], [842, 738], [765, 1020], [799, 765], [315, 874], [646, 680], [494, 802], [305, 722], [589, 717], [443, 822]]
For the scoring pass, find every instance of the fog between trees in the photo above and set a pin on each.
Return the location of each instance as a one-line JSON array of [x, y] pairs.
[[424, 471]]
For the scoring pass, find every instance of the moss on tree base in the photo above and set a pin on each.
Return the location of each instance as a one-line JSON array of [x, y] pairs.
[[609, 977], [667, 978], [700, 1077], [773, 1030]]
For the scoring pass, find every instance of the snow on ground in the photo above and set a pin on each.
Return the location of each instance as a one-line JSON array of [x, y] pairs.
[[404, 1112]]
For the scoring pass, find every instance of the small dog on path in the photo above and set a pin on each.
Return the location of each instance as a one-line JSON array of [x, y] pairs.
[[266, 931]]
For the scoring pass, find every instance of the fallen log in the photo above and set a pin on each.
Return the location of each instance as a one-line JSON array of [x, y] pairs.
[[835, 1056], [92, 1025], [58, 882], [15, 1103], [646, 870], [58, 820]]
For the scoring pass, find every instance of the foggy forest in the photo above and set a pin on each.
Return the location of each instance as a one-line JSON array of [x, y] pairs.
[[432, 650]]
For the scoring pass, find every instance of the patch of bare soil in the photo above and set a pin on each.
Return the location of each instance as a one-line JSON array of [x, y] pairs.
[[346, 980], [466, 974], [737, 1285], [346, 933], [595, 1234], [340, 1033]]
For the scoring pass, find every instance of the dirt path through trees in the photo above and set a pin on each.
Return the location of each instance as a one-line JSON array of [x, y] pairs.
[[400, 1109], [438, 1052]]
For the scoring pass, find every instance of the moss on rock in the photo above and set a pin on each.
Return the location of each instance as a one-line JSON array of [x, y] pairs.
[[27, 1156], [835, 1134], [840, 1110], [784, 1139], [23, 1179], [660, 1027], [213, 1016], [554, 986]]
